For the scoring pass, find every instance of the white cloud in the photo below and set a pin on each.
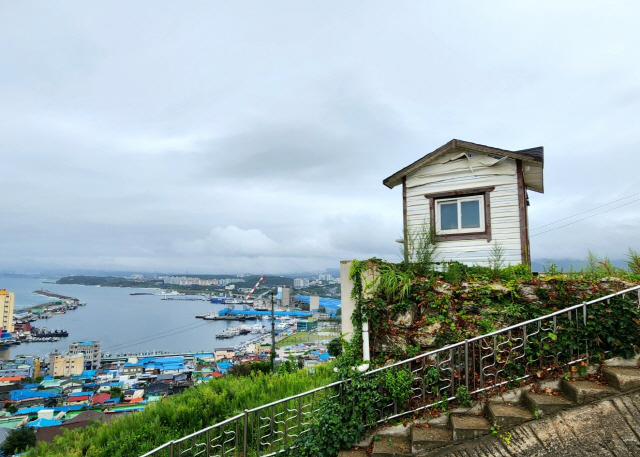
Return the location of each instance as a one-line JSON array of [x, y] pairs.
[[215, 137], [229, 241]]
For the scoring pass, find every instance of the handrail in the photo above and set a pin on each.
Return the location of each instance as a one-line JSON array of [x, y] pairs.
[[477, 363], [294, 397]]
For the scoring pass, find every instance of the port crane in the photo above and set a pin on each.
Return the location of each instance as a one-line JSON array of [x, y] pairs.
[[255, 287], [232, 302]]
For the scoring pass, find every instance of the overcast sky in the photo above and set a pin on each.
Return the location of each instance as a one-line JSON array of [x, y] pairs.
[[222, 136]]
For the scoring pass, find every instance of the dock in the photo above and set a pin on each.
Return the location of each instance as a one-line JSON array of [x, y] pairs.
[[41, 306]]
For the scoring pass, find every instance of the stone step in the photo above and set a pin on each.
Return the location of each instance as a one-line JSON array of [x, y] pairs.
[[583, 392], [424, 439], [506, 415], [353, 453], [545, 404], [465, 427], [623, 379], [391, 447]]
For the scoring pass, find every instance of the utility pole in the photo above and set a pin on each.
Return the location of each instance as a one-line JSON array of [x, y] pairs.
[[273, 337]]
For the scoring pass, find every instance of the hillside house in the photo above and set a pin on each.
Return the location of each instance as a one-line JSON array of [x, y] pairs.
[[472, 199]]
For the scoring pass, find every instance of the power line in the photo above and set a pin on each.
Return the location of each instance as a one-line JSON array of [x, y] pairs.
[[135, 342], [588, 211], [588, 217], [160, 333]]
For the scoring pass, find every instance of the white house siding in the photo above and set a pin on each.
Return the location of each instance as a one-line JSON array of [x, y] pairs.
[[445, 176]]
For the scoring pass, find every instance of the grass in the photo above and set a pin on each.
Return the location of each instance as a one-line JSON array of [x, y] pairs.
[[136, 433], [301, 337]]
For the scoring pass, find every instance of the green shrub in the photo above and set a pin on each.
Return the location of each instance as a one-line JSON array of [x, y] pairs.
[[397, 383], [196, 408]]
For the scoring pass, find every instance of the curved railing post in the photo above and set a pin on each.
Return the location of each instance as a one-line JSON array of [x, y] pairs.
[[245, 444]]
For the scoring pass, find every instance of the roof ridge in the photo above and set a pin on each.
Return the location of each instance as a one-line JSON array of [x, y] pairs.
[[535, 155]]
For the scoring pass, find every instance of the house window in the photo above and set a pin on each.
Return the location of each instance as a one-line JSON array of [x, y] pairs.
[[460, 215]]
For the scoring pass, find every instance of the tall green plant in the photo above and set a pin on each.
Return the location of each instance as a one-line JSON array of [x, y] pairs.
[[395, 283], [422, 245], [633, 262], [592, 265], [496, 259]]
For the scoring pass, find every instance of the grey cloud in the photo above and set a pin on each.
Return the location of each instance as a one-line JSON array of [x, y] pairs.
[[158, 135]]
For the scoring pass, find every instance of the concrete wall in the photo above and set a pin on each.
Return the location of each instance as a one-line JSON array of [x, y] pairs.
[[348, 304]]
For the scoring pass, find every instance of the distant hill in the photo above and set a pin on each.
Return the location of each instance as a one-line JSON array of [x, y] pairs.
[[539, 265]]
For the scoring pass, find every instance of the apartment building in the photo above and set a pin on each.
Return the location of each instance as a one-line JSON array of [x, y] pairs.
[[7, 300], [90, 351], [72, 365]]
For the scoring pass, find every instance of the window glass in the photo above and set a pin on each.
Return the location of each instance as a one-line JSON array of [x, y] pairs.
[[470, 212], [449, 216]]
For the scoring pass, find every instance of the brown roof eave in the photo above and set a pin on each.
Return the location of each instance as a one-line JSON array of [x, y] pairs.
[[396, 178], [532, 155]]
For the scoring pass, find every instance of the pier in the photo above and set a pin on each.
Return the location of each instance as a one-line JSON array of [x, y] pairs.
[[47, 293], [51, 304]]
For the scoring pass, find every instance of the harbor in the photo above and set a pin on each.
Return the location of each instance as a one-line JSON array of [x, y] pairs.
[[149, 323]]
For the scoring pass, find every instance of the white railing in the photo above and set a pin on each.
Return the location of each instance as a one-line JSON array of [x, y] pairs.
[[479, 364]]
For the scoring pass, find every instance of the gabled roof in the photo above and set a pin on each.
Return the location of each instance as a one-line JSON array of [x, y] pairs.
[[87, 415], [100, 398], [531, 156], [43, 423]]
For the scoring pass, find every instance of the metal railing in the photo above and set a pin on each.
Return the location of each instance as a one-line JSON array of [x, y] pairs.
[[479, 364]]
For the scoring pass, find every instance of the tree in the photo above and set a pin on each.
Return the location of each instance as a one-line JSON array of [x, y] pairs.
[[115, 392], [11, 408], [240, 369], [18, 440], [334, 348]]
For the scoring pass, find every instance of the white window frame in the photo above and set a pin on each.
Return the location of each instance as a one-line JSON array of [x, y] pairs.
[[459, 200]]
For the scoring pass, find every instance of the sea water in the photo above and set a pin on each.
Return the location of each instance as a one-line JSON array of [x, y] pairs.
[[123, 322]]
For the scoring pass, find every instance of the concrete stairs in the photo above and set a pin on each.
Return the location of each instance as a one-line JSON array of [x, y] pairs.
[[498, 416]]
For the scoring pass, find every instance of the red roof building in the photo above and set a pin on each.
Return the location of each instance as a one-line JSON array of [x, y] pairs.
[[78, 399], [100, 398]]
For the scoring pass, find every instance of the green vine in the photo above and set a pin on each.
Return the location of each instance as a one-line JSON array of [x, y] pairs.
[[340, 420], [397, 383]]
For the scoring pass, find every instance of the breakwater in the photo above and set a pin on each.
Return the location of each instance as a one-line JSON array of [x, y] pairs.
[[48, 293]]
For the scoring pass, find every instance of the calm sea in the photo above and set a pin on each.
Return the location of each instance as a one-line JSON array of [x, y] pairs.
[[123, 322]]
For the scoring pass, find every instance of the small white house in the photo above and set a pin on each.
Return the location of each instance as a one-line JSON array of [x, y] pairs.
[[471, 197]]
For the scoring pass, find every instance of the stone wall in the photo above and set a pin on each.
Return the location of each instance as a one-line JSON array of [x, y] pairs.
[[442, 313]]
